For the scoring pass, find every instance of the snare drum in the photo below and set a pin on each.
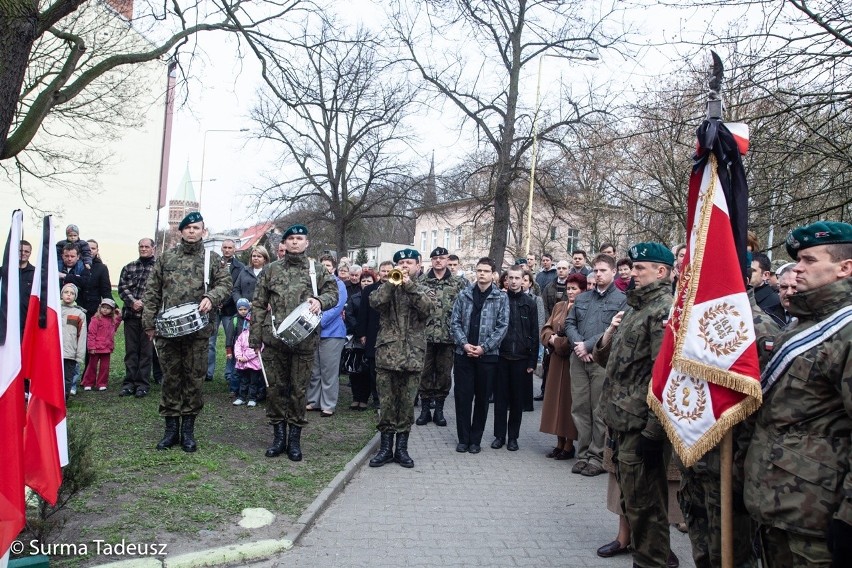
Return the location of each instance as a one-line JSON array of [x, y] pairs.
[[180, 320], [297, 326]]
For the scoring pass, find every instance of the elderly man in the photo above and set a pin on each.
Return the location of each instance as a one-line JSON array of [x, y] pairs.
[[786, 288], [138, 348], [353, 286], [798, 468]]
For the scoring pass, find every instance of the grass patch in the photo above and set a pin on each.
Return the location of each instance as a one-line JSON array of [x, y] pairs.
[[142, 495]]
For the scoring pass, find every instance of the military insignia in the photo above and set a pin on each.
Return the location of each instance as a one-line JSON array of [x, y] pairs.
[[821, 234], [722, 329], [792, 242], [686, 398], [769, 345]]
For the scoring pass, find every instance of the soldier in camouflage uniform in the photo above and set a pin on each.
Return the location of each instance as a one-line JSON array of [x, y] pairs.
[[178, 278], [281, 287], [435, 382], [700, 495], [628, 348], [403, 310], [798, 467]]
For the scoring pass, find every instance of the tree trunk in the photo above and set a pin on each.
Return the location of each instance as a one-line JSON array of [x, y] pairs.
[[18, 26]]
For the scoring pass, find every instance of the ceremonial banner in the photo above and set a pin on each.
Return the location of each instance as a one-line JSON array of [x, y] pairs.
[[12, 506], [707, 378], [45, 433]]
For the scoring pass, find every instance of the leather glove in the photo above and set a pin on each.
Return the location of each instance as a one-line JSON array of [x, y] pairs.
[[651, 451], [839, 540]]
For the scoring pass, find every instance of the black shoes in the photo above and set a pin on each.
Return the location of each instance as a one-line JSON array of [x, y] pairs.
[[385, 453], [512, 446], [294, 443], [171, 437], [497, 443], [187, 433], [613, 549], [141, 393], [474, 449], [279, 436], [425, 414], [126, 392], [461, 448], [401, 456], [439, 413]]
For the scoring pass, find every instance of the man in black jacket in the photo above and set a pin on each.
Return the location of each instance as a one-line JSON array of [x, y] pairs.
[[518, 358], [765, 296], [27, 273]]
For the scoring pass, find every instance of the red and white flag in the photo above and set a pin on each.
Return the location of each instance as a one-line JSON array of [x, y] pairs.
[[707, 378], [45, 433], [12, 505]]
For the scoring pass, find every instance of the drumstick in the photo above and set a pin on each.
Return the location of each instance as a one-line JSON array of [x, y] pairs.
[[263, 369]]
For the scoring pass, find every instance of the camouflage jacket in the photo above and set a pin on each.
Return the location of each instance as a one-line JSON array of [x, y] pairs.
[[281, 287], [442, 292], [178, 278], [798, 465], [629, 360], [404, 311]]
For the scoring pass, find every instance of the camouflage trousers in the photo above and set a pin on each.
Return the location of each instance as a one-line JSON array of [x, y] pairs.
[[436, 379], [184, 363], [644, 498], [783, 549], [288, 373], [700, 501], [397, 389]]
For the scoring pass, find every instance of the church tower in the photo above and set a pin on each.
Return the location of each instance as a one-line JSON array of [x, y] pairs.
[[182, 203]]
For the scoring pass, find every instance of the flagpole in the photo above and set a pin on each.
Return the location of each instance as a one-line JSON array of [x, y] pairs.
[[727, 450]]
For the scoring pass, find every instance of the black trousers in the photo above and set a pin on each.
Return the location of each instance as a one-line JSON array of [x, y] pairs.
[[360, 383], [137, 356], [474, 380], [510, 390]]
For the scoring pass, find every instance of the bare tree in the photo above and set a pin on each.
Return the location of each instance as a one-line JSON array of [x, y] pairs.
[[503, 39], [339, 118]]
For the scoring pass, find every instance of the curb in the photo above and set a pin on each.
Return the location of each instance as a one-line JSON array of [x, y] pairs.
[[261, 549]]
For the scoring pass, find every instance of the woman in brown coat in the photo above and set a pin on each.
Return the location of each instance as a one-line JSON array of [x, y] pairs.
[[556, 410]]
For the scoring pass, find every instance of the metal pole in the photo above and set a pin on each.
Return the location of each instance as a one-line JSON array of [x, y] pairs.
[[204, 155], [528, 237]]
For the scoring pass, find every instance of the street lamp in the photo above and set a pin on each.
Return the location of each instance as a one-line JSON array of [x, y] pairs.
[[204, 155], [589, 56]]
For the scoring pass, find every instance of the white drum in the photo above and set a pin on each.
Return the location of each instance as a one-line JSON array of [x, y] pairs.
[[180, 320], [297, 326]]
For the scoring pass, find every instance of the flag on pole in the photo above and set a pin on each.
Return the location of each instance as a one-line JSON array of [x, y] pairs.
[[707, 378], [12, 505], [45, 433]]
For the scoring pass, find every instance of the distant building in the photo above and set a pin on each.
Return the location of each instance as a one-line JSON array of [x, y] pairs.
[[378, 253]]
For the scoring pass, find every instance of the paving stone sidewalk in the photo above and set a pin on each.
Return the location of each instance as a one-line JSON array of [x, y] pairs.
[[496, 508]]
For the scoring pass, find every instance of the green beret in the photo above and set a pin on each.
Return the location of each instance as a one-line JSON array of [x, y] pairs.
[[520, 261], [651, 252], [819, 233], [406, 253], [194, 217], [296, 230]]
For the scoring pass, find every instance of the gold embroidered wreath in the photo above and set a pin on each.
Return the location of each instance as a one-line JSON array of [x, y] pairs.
[[671, 400], [729, 346]]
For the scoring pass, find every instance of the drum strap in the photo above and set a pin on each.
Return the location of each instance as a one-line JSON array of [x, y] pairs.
[[313, 272], [206, 268]]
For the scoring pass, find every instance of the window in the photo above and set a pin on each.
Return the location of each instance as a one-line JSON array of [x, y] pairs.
[[573, 240], [447, 239], [423, 241], [434, 238], [553, 233], [459, 238]]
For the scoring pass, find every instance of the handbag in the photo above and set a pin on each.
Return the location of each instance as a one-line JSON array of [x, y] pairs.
[[352, 357]]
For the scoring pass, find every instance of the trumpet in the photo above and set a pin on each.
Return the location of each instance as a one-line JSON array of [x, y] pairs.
[[395, 276]]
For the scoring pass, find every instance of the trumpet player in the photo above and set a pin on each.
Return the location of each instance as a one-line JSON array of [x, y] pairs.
[[404, 309]]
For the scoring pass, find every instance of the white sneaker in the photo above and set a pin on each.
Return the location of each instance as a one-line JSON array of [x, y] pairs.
[[87, 388], [238, 402], [251, 403], [101, 388], [74, 391]]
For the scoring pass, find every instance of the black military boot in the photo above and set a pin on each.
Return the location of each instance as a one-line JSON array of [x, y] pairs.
[[401, 456], [385, 453], [425, 414], [172, 436], [439, 413], [279, 440], [294, 441], [187, 433]]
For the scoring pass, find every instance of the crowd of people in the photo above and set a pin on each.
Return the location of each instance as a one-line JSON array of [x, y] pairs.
[[409, 333]]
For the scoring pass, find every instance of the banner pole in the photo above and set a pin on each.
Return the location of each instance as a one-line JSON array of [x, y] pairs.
[[727, 501]]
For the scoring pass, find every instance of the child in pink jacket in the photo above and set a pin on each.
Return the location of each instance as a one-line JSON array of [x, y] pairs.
[[101, 343], [248, 360]]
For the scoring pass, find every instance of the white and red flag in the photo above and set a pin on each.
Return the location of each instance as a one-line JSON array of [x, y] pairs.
[[707, 378], [12, 505], [45, 433]]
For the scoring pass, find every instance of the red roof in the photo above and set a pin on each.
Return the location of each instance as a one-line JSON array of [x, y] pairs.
[[252, 235]]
